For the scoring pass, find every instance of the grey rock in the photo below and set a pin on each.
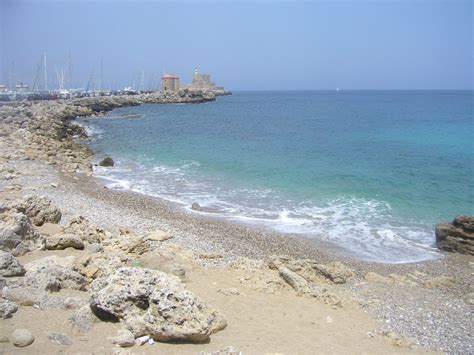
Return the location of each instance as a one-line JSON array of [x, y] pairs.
[[17, 234], [22, 338], [40, 210], [9, 266], [457, 236], [59, 339], [124, 338], [83, 320], [153, 303], [7, 308], [107, 162], [63, 241]]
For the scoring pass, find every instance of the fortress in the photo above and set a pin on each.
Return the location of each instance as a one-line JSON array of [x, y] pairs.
[[201, 82]]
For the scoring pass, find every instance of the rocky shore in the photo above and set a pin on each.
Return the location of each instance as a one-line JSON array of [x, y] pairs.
[[90, 270]]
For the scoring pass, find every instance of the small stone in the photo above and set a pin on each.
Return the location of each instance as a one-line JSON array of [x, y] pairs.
[[22, 338], [59, 339], [159, 236], [329, 319], [142, 340], [229, 291], [124, 339]]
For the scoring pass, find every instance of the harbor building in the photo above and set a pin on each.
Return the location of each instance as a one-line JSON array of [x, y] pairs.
[[169, 82], [203, 82]]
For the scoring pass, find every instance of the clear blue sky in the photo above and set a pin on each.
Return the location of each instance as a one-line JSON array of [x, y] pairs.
[[256, 45]]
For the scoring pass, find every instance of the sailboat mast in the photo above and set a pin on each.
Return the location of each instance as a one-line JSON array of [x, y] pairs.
[[45, 73]]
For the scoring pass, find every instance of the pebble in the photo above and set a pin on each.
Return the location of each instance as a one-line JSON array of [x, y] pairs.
[[22, 338]]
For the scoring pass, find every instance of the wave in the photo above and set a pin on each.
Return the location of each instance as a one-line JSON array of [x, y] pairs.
[[364, 228]]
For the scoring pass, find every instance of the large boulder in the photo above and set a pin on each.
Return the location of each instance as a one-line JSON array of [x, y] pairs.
[[96, 265], [17, 234], [153, 303], [457, 236], [9, 266], [40, 210], [107, 162]]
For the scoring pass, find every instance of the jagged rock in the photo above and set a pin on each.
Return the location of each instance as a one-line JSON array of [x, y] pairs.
[[153, 303], [124, 338], [7, 308], [63, 241], [87, 231], [457, 236], [337, 272], [17, 234], [93, 266], [59, 339], [128, 243], [107, 162], [9, 266], [40, 210], [159, 236], [22, 338]]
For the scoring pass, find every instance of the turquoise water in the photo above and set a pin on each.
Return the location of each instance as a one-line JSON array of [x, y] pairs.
[[371, 172]]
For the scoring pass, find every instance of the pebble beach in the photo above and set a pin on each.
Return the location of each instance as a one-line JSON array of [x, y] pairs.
[[272, 292]]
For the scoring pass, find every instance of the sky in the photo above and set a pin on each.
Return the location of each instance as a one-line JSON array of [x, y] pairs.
[[244, 45]]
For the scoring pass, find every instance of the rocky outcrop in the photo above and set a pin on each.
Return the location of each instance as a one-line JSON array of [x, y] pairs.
[[17, 234], [457, 236], [9, 266], [40, 210], [97, 265], [153, 303]]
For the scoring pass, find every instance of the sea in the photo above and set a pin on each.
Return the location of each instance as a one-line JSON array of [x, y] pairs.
[[368, 172]]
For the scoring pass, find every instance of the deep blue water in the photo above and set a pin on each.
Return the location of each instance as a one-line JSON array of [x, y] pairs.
[[372, 172]]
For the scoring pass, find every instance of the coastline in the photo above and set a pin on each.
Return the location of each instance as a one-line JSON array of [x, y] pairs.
[[75, 191]]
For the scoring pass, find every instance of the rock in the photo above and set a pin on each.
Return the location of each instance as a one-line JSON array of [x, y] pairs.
[[124, 338], [128, 243], [17, 234], [59, 339], [165, 261], [229, 291], [334, 272], [22, 338], [142, 340], [439, 281], [196, 206], [53, 273], [107, 162], [153, 303], [159, 236], [337, 272], [9, 266], [87, 231], [83, 320], [297, 282], [40, 210], [457, 236], [93, 266], [7, 308], [63, 241]]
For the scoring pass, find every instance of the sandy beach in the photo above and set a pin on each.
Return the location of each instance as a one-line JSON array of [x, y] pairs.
[[247, 274]]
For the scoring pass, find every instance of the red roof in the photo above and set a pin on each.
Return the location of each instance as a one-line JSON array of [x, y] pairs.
[[169, 76]]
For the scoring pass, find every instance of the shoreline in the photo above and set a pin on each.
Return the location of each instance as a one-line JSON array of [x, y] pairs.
[[77, 191]]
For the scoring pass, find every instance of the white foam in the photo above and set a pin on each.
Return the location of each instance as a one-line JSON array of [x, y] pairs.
[[361, 227]]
